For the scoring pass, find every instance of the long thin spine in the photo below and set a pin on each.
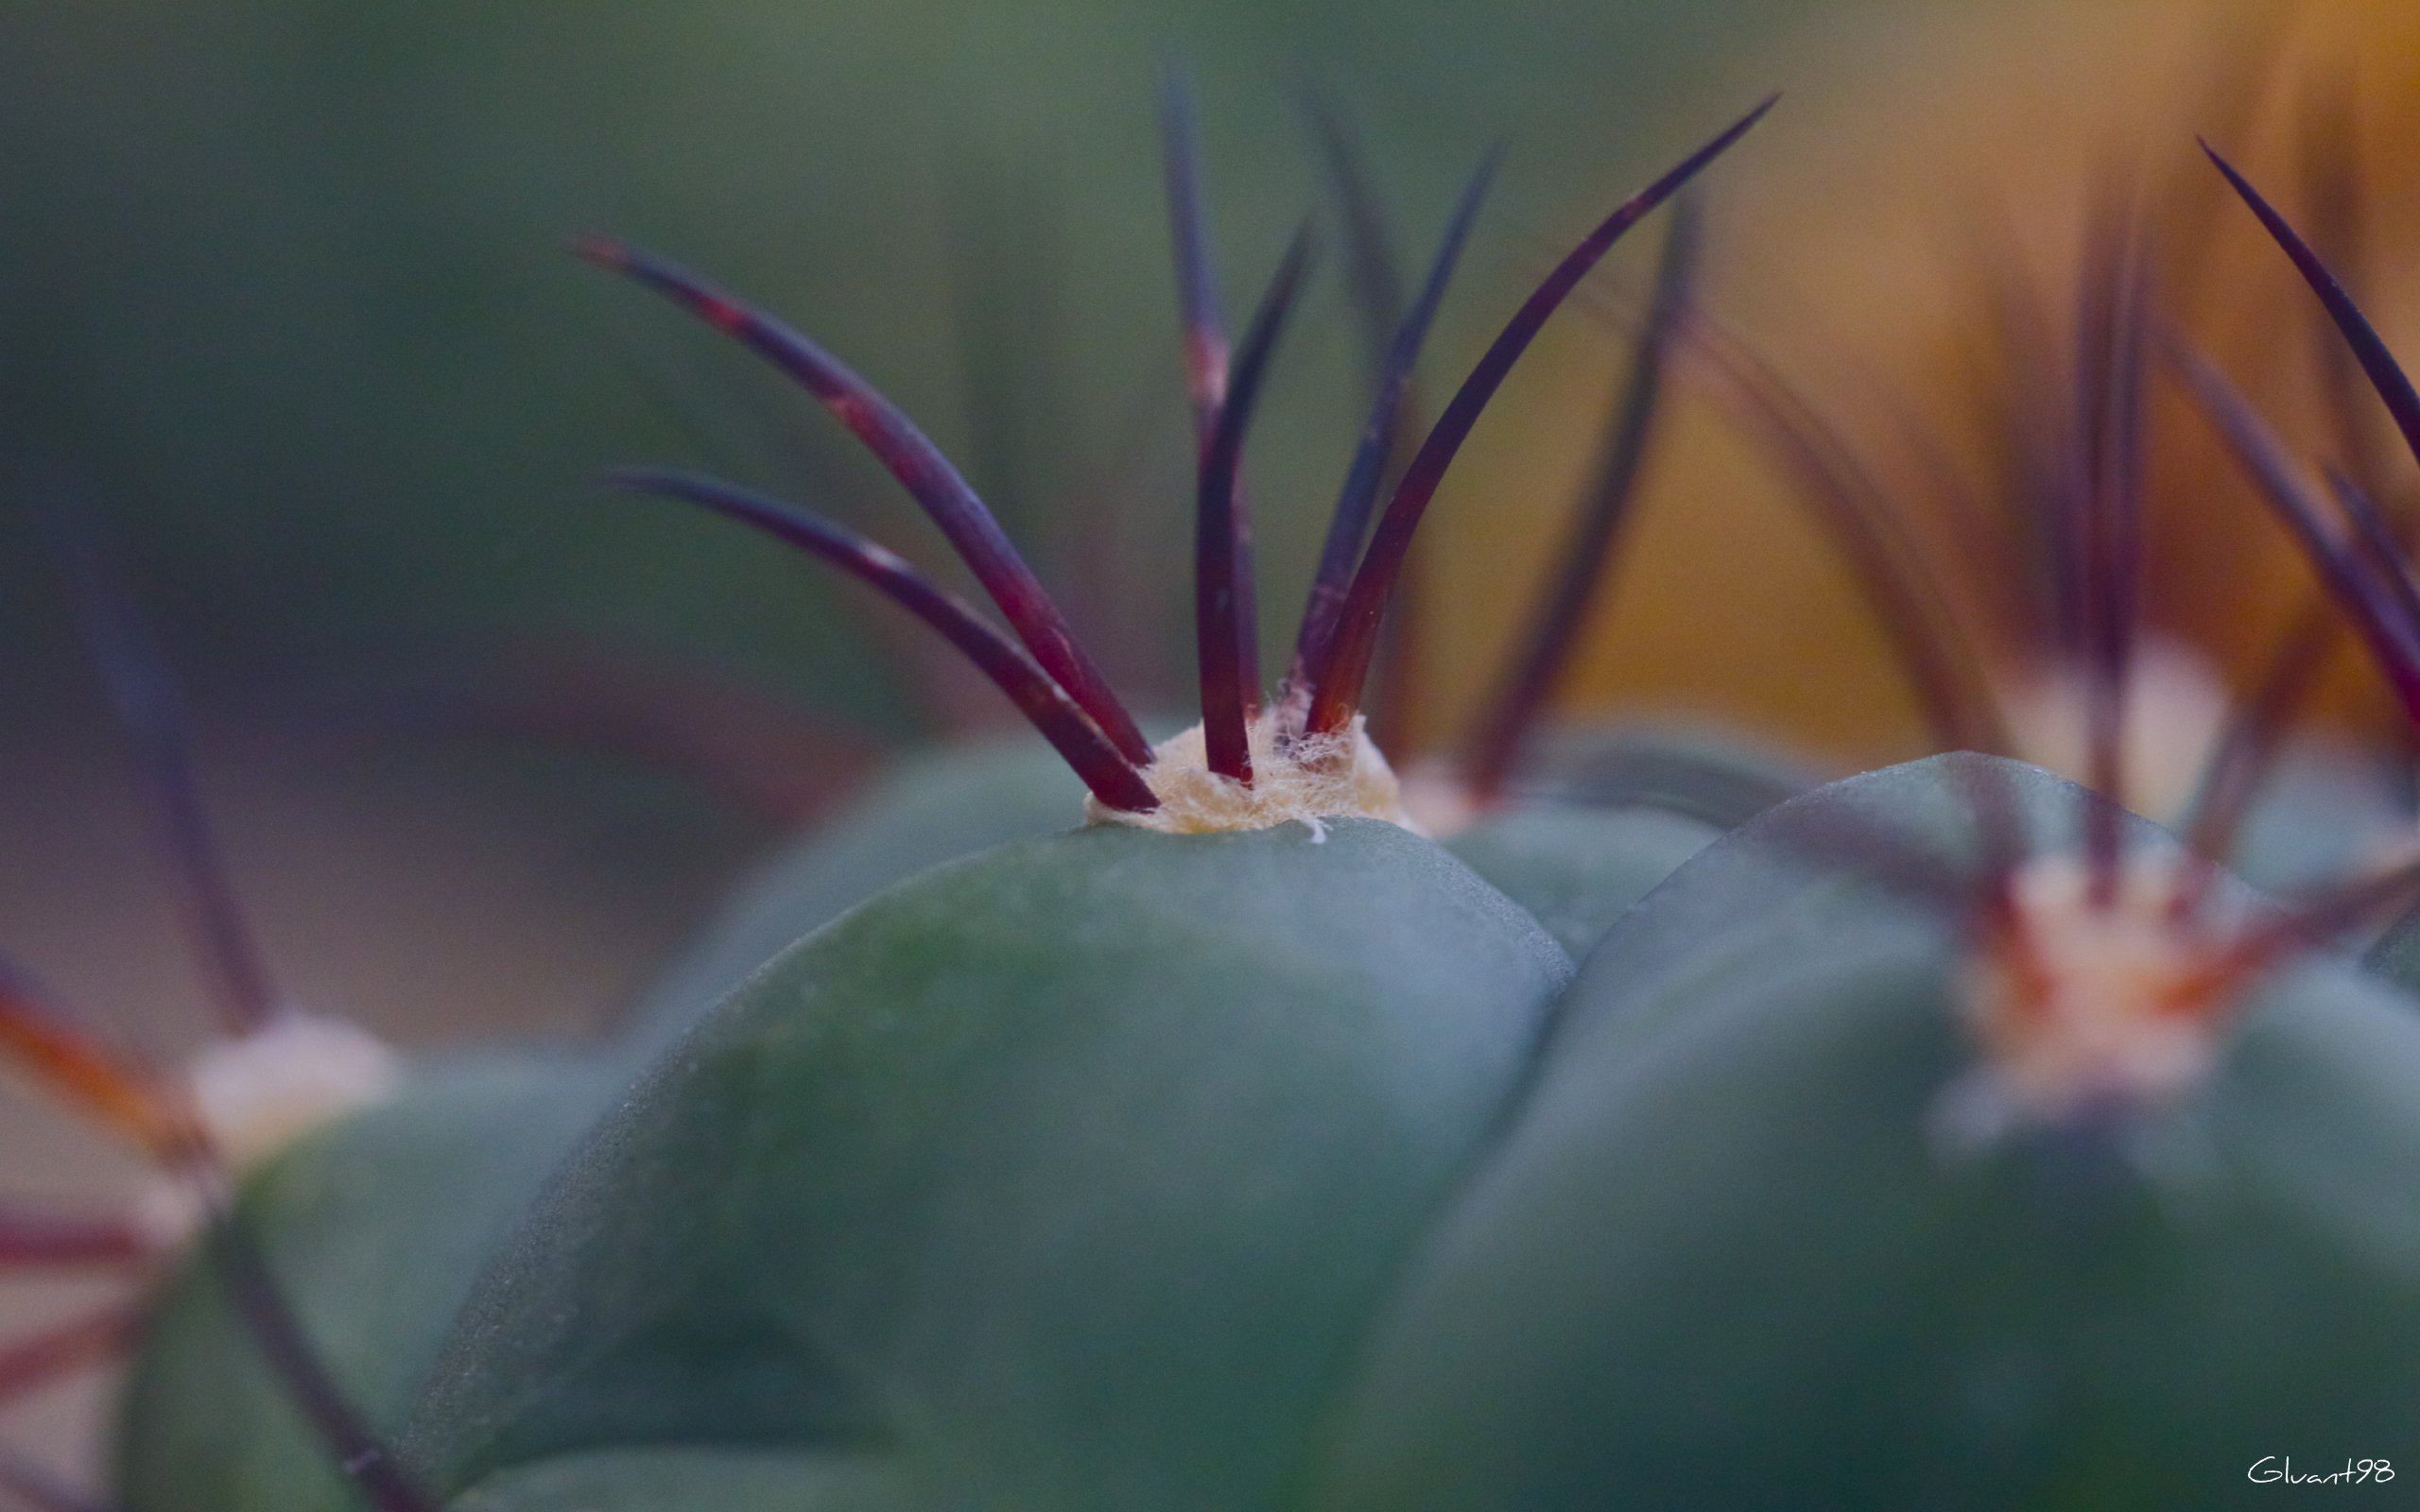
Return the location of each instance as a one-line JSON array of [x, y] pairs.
[[2110, 370], [1051, 709], [2248, 745], [277, 1332], [119, 1096], [1223, 634], [2253, 736], [1553, 633], [2395, 646], [2377, 540], [1206, 351], [2315, 923], [1373, 284], [1339, 675], [280, 1337], [160, 1120], [1864, 525], [143, 697], [919, 466], [2385, 375], [792, 448], [33, 1364], [35, 1241], [1346, 527]]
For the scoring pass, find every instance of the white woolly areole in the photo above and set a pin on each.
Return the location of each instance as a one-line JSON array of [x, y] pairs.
[[2089, 1006], [1440, 802], [256, 1095], [260, 1093], [1309, 779], [2176, 705]]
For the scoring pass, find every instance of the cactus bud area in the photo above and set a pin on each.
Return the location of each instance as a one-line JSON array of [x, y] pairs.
[[1304, 779], [253, 1096], [2085, 1004], [256, 1095]]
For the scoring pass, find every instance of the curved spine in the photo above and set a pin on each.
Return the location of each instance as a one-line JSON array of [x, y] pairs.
[[1052, 709], [919, 466], [1336, 682]]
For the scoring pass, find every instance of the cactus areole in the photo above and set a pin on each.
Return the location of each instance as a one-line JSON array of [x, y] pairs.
[[1302, 756]]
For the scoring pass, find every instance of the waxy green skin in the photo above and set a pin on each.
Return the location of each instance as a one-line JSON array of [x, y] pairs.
[[1577, 846], [1728, 1258], [465, 1147], [1577, 869], [722, 1480], [929, 809], [1713, 1240], [376, 1228], [1065, 1175], [2327, 813], [1125, 1170]]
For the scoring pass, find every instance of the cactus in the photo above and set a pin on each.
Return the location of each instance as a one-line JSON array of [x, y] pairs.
[[1662, 1135], [290, 1145], [2012, 1156], [1850, 1205], [1363, 952]]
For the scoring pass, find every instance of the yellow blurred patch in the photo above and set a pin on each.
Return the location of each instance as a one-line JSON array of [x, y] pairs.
[[1928, 172]]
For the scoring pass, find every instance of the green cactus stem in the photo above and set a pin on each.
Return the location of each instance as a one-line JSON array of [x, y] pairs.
[[1800, 1214], [1119, 1133]]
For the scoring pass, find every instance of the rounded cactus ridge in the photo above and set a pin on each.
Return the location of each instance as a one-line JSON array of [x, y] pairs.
[[1739, 1251], [1067, 1170], [1604, 817], [376, 1227], [1575, 869], [937, 807]]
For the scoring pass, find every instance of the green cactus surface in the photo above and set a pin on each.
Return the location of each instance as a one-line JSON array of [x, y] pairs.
[[1120, 1136], [1730, 1256], [376, 1227]]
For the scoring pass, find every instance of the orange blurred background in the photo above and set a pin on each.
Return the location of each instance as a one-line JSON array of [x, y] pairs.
[[1940, 159]]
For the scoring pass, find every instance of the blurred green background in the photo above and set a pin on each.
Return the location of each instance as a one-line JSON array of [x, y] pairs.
[[283, 286], [284, 281]]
